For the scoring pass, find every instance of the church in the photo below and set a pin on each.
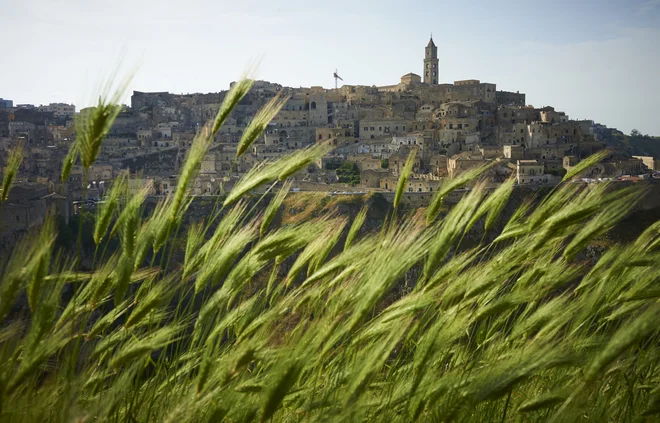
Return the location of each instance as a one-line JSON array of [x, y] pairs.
[[431, 69], [431, 72], [429, 89]]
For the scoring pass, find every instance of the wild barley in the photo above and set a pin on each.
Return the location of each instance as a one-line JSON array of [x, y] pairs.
[[403, 178], [234, 96], [11, 169], [258, 124], [280, 169], [107, 209], [586, 164], [449, 186], [274, 206], [358, 221]]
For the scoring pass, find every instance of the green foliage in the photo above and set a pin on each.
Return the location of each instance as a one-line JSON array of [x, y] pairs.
[[634, 144], [385, 163], [13, 163], [405, 174], [349, 173], [260, 322], [258, 124], [556, 172]]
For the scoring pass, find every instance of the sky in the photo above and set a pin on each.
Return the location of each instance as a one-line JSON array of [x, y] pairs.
[[595, 60]]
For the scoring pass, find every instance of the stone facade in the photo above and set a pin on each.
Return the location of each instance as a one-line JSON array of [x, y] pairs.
[[431, 66]]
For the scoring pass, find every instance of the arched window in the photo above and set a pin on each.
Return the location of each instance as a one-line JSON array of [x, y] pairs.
[[313, 105]]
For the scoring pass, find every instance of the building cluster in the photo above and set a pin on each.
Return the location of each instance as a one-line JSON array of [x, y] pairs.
[[452, 127]]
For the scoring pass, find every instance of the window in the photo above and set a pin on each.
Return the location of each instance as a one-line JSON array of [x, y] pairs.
[[18, 218]]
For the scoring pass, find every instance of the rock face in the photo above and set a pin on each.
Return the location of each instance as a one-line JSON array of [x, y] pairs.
[[303, 205], [300, 206], [8, 242]]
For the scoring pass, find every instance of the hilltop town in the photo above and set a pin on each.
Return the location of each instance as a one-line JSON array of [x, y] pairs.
[[454, 127]]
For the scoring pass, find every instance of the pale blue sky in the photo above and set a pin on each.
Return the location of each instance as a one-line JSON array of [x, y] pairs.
[[592, 59]]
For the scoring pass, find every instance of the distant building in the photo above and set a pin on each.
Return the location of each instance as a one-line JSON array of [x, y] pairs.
[[431, 67], [459, 163], [506, 98], [513, 152], [59, 110], [28, 204], [6, 104], [529, 172], [411, 78], [649, 162]]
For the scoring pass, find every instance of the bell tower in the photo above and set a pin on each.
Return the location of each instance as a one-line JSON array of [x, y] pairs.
[[431, 69]]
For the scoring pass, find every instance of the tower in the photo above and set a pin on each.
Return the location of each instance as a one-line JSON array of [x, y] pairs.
[[431, 69]]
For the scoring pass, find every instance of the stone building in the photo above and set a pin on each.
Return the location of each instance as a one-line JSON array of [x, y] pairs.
[[415, 184], [28, 204], [365, 161], [209, 164], [506, 98], [371, 178], [513, 152], [379, 128], [650, 162], [431, 68], [411, 79], [529, 172], [59, 110], [459, 163]]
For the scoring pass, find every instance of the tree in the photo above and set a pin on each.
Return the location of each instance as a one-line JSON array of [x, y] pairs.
[[635, 133], [385, 163], [349, 173]]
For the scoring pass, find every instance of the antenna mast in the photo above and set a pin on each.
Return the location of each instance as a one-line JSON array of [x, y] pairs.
[[337, 78]]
